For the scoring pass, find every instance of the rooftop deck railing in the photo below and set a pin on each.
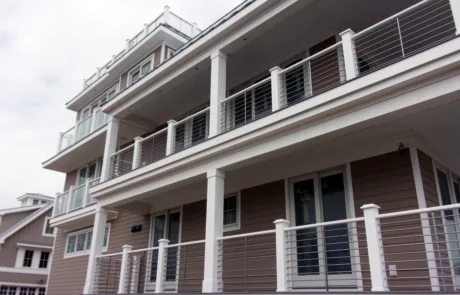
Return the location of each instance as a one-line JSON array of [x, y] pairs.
[[75, 198], [166, 18], [406, 251], [418, 28]]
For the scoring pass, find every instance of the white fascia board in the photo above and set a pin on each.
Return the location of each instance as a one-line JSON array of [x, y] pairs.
[[196, 52], [32, 245], [20, 209], [313, 112], [71, 216], [30, 271], [17, 227]]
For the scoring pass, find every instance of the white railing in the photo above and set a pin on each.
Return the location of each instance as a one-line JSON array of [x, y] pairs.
[[190, 131], [168, 18], [82, 129], [407, 251], [75, 198]]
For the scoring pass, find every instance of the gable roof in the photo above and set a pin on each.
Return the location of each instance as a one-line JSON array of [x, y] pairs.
[[35, 195], [20, 209], [15, 228]]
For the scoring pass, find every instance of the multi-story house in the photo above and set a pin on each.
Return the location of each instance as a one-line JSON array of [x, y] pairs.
[[26, 246], [292, 146]]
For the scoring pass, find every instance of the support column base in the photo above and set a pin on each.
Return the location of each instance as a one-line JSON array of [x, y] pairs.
[[88, 289], [380, 289], [211, 285]]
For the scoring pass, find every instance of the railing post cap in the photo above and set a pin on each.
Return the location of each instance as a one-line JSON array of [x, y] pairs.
[[172, 122], [138, 138], [274, 69], [163, 241], [370, 206], [346, 32], [167, 8], [129, 247], [281, 221]]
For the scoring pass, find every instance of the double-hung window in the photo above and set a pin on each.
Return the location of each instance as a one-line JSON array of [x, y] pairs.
[[141, 70], [232, 212], [47, 229], [28, 257], [80, 242], [44, 258], [8, 290]]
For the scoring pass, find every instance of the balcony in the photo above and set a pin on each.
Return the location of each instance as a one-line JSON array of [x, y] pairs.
[[178, 31], [75, 198], [409, 251], [410, 32]]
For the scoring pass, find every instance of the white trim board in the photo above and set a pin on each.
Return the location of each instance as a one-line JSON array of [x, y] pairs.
[[32, 271], [31, 245], [20, 209]]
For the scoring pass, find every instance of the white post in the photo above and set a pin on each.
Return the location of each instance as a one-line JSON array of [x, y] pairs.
[[98, 72], [124, 271], [84, 83], [94, 120], [60, 142], [127, 45], [146, 29], [455, 7], [56, 204], [170, 137], [281, 265], [194, 29], [69, 199], [137, 152], [275, 81], [348, 46], [166, 16], [135, 271], [214, 230], [375, 248], [217, 92], [110, 146], [161, 264], [113, 58], [97, 243]]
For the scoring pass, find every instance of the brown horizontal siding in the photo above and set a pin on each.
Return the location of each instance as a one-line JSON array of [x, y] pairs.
[[36, 279], [32, 233], [70, 179], [8, 220], [388, 181], [260, 206]]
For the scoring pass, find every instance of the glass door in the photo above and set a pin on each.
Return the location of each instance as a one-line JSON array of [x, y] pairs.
[[165, 226], [322, 255]]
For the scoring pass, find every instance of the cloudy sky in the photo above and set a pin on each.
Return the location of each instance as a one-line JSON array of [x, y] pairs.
[[46, 48]]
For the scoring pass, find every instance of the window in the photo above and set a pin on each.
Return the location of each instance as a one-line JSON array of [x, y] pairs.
[[27, 291], [44, 257], [169, 52], [141, 70], [43, 201], [35, 202], [28, 256], [41, 291], [80, 242], [232, 212], [47, 229], [8, 290]]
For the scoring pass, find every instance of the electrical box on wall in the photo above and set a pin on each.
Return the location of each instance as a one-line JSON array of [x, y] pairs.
[[136, 228]]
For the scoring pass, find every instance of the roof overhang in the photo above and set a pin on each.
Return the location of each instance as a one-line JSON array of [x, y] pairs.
[[20, 209], [79, 218], [83, 151]]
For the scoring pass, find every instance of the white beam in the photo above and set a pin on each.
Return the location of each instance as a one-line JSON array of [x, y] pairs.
[[214, 229], [110, 146]]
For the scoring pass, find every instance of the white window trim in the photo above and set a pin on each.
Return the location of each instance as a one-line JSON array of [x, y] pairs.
[[86, 251], [150, 58], [47, 218], [237, 225]]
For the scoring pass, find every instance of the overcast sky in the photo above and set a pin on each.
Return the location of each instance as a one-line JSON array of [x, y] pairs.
[[46, 48]]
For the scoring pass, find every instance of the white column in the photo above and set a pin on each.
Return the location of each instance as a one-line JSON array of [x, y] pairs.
[[161, 265], [127, 45], [166, 14], [146, 29], [69, 199], [136, 152], [94, 120], [214, 229], [374, 248], [135, 271], [170, 137], [426, 229], [124, 270], [281, 246], [218, 88], [110, 146], [60, 142], [348, 45], [97, 243], [194, 30], [455, 6], [275, 81]]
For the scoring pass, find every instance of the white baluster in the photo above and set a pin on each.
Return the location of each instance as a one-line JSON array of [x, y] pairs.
[[124, 269], [161, 265], [281, 265]]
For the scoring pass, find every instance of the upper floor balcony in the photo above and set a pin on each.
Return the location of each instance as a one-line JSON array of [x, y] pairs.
[[182, 116]]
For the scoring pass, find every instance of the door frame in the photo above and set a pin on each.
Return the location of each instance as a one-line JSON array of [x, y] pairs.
[[353, 279]]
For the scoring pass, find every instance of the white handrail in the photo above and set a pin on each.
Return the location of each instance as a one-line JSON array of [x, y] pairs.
[[123, 149], [419, 211], [144, 249], [192, 116], [109, 255], [322, 224], [185, 244], [322, 52], [246, 89], [390, 18], [253, 234], [154, 134]]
